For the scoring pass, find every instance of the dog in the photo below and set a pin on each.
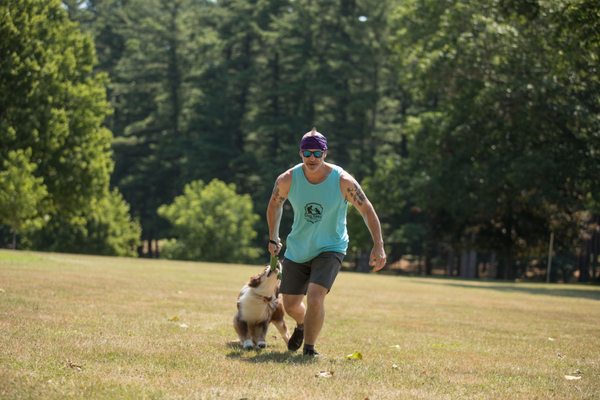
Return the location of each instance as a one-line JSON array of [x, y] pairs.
[[259, 303]]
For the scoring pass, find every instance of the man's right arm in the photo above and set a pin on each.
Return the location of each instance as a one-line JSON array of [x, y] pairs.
[[275, 209]]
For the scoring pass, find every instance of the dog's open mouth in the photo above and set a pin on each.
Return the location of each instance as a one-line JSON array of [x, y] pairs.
[[274, 271]]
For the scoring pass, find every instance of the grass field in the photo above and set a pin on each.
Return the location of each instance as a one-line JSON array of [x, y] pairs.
[[99, 327]]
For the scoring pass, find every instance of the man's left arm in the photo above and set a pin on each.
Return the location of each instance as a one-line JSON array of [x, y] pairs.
[[352, 192]]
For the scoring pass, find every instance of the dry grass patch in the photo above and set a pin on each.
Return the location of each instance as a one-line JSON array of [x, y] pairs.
[[100, 327]]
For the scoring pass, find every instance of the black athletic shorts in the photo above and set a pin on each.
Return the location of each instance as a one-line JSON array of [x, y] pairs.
[[321, 270]]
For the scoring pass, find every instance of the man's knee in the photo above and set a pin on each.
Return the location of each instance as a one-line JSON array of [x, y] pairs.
[[292, 302], [315, 297]]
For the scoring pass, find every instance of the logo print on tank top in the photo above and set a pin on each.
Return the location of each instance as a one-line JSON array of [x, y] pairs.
[[313, 212]]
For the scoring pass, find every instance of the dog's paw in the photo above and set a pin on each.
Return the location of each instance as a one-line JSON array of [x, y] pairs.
[[248, 344], [262, 345]]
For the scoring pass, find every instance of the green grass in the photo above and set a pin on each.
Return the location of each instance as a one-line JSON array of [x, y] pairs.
[[420, 338]]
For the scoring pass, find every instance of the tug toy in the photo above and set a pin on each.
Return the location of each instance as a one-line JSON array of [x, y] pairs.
[[274, 265]]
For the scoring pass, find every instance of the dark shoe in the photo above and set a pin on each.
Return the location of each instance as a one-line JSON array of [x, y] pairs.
[[296, 339], [310, 353]]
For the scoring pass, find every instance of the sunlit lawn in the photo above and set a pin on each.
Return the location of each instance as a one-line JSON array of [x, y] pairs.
[[98, 327]]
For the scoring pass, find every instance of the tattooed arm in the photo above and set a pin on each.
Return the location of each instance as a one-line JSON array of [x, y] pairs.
[[275, 209], [354, 194]]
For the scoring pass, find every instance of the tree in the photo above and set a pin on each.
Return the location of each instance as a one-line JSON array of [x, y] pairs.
[[107, 228], [219, 118], [504, 104], [53, 104], [155, 53], [205, 90], [309, 69], [211, 223], [21, 194]]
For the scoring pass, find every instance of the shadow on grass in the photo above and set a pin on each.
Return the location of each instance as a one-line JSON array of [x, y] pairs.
[[266, 355], [583, 293]]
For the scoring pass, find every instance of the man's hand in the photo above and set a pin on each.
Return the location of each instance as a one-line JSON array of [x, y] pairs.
[[274, 247], [378, 257], [353, 193]]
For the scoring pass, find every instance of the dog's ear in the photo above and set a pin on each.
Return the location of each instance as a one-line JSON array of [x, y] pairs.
[[254, 281]]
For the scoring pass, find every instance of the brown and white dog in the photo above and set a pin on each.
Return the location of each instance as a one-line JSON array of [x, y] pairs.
[[260, 303]]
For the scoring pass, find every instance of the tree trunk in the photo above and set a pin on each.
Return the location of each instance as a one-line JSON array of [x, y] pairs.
[[428, 264], [510, 267], [463, 263], [583, 261], [468, 264], [450, 263], [596, 249], [473, 264], [362, 262], [173, 70], [500, 268], [505, 266], [492, 265], [150, 253], [14, 241], [275, 99]]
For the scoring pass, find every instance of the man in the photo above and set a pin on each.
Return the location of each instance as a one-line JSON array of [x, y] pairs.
[[319, 193]]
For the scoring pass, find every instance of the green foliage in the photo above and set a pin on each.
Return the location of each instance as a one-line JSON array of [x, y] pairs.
[[21, 193], [54, 105], [469, 124], [503, 95], [105, 228], [212, 223], [112, 225], [403, 223], [150, 93], [225, 89]]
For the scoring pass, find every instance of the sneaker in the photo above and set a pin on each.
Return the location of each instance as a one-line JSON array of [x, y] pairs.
[[310, 353], [296, 339]]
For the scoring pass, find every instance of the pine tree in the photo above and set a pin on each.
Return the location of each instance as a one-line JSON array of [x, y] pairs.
[[149, 92]]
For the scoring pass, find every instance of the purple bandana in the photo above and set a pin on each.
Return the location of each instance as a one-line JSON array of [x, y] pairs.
[[317, 141]]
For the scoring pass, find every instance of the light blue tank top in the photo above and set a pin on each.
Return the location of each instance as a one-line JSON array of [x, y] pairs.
[[319, 216]]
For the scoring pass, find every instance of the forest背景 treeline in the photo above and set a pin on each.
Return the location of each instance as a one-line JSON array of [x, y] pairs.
[[472, 126]]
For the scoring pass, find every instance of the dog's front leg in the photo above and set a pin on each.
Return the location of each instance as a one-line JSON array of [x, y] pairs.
[[278, 320], [241, 327], [283, 330], [259, 334]]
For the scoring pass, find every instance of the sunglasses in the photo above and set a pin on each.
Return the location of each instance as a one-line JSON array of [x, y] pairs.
[[316, 153]]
